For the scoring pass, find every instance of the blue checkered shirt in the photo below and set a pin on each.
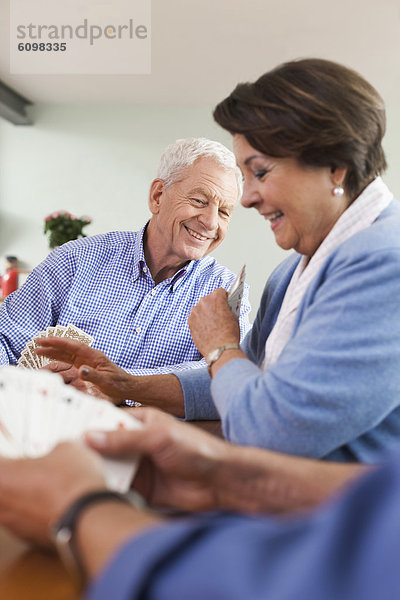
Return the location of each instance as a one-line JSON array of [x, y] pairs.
[[102, 285]]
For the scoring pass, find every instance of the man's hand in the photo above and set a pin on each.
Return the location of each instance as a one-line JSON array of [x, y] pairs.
[[34, 493], [86, 368], [212, 323], [180, 463]]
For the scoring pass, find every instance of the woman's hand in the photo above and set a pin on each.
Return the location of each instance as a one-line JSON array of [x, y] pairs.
[[212, 323], [84, 367]]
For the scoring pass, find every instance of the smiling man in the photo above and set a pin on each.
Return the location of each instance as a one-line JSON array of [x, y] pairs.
[[133, 291]]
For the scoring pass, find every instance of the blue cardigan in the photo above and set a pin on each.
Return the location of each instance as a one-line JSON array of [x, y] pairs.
[[334, 392]]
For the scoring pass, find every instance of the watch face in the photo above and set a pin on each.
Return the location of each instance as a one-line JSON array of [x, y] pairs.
[[213, 356]]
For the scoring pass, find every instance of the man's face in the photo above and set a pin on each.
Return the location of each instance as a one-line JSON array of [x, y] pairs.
[[191, 216]]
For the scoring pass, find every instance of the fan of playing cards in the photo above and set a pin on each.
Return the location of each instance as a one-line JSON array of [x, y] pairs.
[[37, 411], [30, 360]]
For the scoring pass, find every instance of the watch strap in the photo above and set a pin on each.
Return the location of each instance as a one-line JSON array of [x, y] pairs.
[[63, 531], [215, 354]]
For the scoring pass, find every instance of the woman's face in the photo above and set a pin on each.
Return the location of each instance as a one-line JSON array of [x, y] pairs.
[[296, 200]]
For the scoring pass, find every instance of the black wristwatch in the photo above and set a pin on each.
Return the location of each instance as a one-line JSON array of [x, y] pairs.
[[62, 533]]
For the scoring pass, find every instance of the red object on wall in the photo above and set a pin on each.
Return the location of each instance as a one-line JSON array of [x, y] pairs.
[[9, 282]]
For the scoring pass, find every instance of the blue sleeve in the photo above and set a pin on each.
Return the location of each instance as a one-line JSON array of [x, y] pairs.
[[199, 404], [34, 306], [346, 550], [338, 377], [195, 383]]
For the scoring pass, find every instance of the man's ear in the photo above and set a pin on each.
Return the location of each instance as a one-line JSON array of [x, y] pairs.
[[156, 191]]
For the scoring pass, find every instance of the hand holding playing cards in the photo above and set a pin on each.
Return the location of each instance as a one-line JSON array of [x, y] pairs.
[[90, 366], [212, 323], [185, 468], [180, 466], [35, 492]]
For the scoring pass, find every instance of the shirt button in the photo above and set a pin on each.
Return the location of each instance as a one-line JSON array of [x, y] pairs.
[[153, 292], [138, 329], [144, 269]]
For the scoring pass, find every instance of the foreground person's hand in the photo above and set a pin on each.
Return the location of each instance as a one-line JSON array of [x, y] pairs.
[[180, 463], [185, 468], [35, 492]]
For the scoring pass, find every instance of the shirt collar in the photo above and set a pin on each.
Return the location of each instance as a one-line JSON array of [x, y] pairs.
[[177, 280], [139, 260], [139, 264]]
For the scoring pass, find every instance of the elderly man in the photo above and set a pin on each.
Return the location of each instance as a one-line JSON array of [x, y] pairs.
[[133, 291]]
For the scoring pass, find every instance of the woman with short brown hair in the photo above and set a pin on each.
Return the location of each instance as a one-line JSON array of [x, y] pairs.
[[319, 374]]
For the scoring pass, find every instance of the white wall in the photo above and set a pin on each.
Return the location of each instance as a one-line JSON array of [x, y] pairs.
[[100, 160]]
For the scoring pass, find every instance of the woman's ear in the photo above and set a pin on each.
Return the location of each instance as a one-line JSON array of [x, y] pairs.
[[156, 191], [338, 175]]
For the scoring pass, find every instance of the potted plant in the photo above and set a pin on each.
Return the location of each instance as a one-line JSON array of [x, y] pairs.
[[63, 227]]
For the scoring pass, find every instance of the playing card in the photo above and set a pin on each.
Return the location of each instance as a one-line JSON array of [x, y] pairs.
[[30, 346], [11, 412], [59, 330], [28, 358], [48, 333], [7, 418], [22, 362], [41, 423], [37, 411], [235, 293], [118, 473], [39, 359], [78, 335]]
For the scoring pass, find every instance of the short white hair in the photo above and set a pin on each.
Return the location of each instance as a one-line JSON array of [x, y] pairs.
[[184, 152]]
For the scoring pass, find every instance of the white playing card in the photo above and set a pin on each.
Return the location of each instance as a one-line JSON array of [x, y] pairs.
[[235, 293], [8, 418], [37, 411]]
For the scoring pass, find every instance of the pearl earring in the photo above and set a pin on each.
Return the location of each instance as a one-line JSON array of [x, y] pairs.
[[338, 190]]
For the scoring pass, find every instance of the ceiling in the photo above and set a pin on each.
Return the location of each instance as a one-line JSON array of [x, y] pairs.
[[202, 48]]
